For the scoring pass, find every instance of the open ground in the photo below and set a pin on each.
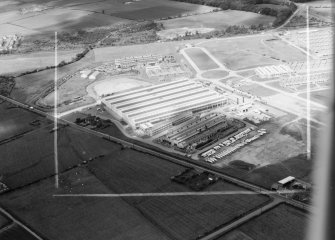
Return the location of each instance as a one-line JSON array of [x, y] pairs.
[[218, 20], [280, 223]]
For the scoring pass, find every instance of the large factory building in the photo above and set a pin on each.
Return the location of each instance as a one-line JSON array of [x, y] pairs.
[[163, 101]]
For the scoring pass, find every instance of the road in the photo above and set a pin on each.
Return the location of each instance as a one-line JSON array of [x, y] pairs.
[[15, 221]]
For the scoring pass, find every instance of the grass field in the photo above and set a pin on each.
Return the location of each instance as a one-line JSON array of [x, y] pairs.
[[31, 157], [257, 90], [132, 171], [16, 232], [3, 221], [15, 121], [215, 74], [322, 96], [145, 9], [78, 218], [187, 217], [201, 59], [30, 86], [250, 52], [218, 20], [280, 223], [61, 19], [16, 63]]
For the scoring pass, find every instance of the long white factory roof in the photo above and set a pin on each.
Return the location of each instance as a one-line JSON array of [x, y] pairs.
[[163, 100]]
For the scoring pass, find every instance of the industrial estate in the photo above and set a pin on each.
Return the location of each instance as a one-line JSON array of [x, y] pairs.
[[132, 119]]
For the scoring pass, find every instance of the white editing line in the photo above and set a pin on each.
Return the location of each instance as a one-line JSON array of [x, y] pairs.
[[308, 132], [56, 117], [176, 194]]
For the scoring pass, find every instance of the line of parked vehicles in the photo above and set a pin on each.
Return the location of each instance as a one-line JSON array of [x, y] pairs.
[[226, 147]]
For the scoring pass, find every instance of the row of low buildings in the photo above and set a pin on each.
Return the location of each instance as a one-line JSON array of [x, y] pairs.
[[320, 41], [161, 102], [165, 72], [130, 62], [196, 130], [302, 80], [318, 65], [274, 71]]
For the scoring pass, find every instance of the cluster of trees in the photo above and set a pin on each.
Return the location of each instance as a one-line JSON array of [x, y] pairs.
[[134, 33], [230, 31], [281, 9], [6, 85]]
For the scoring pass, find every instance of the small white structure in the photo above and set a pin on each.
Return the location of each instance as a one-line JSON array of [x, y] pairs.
[[94, 75], [273, 71], [85, 73]]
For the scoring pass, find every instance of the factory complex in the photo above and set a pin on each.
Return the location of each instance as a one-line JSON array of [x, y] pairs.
[[162, 102]]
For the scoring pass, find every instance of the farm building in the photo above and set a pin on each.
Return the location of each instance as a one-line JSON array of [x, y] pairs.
[[273, 71], [163, 101]]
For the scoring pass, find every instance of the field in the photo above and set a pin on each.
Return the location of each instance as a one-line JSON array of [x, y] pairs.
[[31, 157], [16, 63], [67, 19], [115, 84], [16, 232], [132, 171], [29, 87], [257, 90], [77, 217], [3, 221], [218, 20], [187, 217], [250, 52], [215, 74], [201, 59], [322, 96], [15, 121], [280, 223], [145, 9]]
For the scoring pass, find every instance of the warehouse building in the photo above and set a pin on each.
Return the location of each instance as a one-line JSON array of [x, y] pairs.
[[273, 71], [162, 102]]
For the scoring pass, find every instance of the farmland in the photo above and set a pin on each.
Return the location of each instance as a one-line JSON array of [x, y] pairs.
[[187, 217], [16, 63], [31, 157], [201, 59], [3, 221], [16, 232], [78, 218], [30, 86], [240, 54], [15, 121], [132, 171], [280, 223], [218, 20]]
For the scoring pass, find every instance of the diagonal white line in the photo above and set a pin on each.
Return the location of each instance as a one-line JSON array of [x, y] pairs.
[[56, 117], [308, 112], [175, 194]]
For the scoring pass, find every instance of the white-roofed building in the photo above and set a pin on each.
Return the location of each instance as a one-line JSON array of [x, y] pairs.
[[273, 71], [163, 101]]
